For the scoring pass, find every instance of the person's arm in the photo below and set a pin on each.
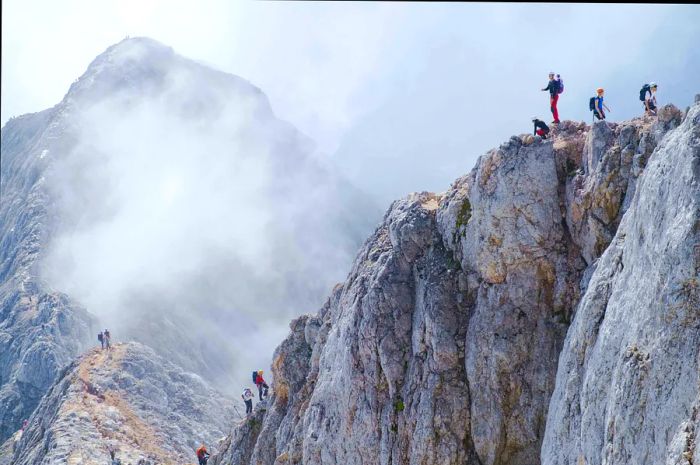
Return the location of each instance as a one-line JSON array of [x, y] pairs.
[[534, 131], [547, 88]]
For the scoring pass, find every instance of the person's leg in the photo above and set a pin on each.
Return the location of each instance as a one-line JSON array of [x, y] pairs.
[[540, 132], [260, 391], [555, 112]]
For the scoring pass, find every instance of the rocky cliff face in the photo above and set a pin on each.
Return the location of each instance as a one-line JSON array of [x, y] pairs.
[[443, 344], [128, 400], [40, 330], [628, 383]]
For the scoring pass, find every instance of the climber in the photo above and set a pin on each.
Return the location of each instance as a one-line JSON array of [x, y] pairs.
[[112, 455], [596, 104], [554, 87], [202, 455], [261, 384], [107, 338], [248, 399], [648, 95], [100, 337], [541, 129]]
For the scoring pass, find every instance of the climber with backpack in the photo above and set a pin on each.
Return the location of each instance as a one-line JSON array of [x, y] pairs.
[[107, 339], [100, 338], [260, 383], [247, 397], [555, 87], [202, 455], [541, 129], [647, 94], [596, 105]]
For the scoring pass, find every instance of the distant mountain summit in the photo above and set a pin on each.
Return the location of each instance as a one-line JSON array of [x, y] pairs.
[[163, 199]]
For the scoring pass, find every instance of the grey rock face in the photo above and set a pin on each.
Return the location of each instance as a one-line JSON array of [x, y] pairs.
[[128, 400], [40, 330], [628, 383], [442, 345]]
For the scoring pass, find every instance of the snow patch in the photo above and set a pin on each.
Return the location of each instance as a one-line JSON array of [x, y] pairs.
[[43, 154]]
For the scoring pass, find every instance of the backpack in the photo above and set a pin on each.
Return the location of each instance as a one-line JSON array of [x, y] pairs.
[[99, 337], [561, 84], [591, 104], [255, 377], [643, 92]]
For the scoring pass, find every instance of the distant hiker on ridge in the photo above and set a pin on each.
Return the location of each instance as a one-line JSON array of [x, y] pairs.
[[247, 397], [113, 456], [107, 339], [260, 383], [100, 337], [596, 104], [647, 94], [555, 87], [541, 129], [202, 455]]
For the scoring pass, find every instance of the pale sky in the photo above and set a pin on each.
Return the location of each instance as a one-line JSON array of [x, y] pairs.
[[402, 96]]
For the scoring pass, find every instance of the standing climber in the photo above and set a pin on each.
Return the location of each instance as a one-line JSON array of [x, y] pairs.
[[596, 104], [113, 456], [648, 95], [554, 86], [202, 455], [100, 337], [248, 399], [107, 338], [541, 129], [261, 384]]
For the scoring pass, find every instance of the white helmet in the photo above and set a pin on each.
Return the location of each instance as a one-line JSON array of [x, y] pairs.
[[652, 84]]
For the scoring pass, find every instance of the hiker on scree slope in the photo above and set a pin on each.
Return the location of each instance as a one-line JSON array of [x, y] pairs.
[[554, 86], [541, 129]]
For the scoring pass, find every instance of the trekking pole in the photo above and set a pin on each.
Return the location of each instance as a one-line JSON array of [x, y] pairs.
[[237, 412]]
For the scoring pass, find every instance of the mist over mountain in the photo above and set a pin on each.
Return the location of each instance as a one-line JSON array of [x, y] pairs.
[[183, 214]]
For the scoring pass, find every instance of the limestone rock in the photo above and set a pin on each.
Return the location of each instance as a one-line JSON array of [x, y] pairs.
[[628, 383], [128, 400]]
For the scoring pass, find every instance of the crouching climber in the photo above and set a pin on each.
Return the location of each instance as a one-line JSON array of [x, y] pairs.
[[248, 399], [541, 129], [202, 455]]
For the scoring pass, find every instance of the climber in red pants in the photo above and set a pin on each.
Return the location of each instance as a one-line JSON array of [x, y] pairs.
[[553, 87]]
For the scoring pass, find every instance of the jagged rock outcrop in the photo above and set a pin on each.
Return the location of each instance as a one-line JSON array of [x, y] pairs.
[[442, 345], [129, 400], [628, 383], [40, 330]]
